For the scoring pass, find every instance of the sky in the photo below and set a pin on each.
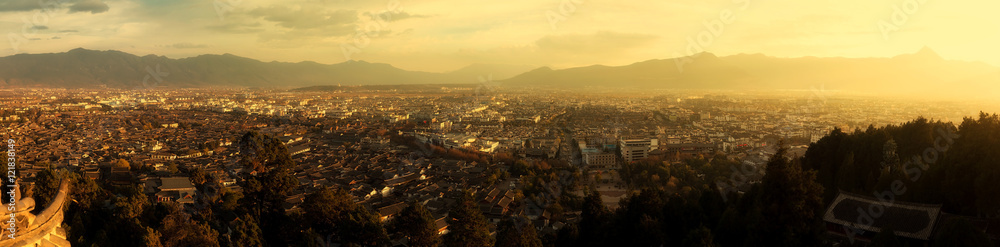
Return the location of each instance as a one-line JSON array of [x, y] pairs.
[[445, 35]]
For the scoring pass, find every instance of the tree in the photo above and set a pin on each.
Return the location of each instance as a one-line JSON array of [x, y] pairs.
[[179, 229], [333, 212], [245, 232], [151, 238], [567, 236], [363, 228], [518, 232], [791, 201], [123, 164], [230, 201], [417, 224], [960, 232], [701, 237], [467, 225], [260, 153], [197, 176], [886, 238], [131, 203], [593, 219], [324, 208], [266, 191], [46, 187]]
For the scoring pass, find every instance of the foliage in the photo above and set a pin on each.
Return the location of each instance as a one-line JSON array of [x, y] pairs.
[[179, 229], [516, 232], [467, 225], [417, 224]]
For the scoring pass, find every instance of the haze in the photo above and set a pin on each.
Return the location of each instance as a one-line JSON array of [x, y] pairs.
[[439, 36]]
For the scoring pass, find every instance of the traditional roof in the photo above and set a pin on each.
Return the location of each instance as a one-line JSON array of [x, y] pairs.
[[907, 219]]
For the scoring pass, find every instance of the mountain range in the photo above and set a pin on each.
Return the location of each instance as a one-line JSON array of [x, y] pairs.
[[917, 73]]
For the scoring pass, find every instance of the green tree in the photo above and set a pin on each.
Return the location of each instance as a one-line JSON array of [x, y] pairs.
[[333, 212], [960, 232], [197, 176], [701, 237], [46, 187], [269, 186], [130, 203], [517, 232], [593, 220], [245, 232], [123, 164], [467, 225], [151, 238], [363, 228], [324, 208], [567, 236], [417, 224], [179, 229], [230, 201], [886, 238], [791, 201]]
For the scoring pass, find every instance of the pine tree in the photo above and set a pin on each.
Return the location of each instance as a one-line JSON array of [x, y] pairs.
[[467, 225], [417, 224], [791, 202], [517, 232], [593, 220]]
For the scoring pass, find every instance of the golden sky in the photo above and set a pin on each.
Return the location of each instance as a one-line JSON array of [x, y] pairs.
[[444, 35]]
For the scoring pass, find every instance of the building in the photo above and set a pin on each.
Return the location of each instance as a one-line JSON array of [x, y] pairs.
[[637, 148], [177, 189], [599, 160], [848, 218], [690, 148]]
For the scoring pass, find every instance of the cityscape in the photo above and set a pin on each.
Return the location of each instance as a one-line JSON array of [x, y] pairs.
[[438, 123]]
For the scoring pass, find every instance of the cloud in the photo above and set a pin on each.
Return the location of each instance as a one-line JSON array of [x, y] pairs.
[[600, 42], [40, 27], [186, 45], [394, 17], [92, 6], [68, 31], [305, 18], [246, 26], [19, 5]]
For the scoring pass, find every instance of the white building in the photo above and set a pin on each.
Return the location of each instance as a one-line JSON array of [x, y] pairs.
[[637, 148]]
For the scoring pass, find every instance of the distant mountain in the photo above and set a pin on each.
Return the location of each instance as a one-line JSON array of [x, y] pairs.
[[921, 73], [498, 71], [81, 68]]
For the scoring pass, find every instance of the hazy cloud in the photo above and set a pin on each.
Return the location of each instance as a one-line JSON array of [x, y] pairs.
[[19, 5], [393, 17], [92, 6], [237, 27], [600, 42], [305, 18], [186, 45], [444, 35]]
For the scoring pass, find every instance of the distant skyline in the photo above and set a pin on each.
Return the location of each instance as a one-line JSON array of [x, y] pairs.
[[445, 35]]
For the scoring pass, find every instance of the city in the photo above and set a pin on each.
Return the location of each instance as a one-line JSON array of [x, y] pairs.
[[521, 123], [530, 153]]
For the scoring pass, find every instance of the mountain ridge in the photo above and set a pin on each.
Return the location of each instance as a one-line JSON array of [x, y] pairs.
[[921, 72]]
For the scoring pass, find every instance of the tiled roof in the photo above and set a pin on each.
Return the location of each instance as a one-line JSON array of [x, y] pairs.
[[913, 220]]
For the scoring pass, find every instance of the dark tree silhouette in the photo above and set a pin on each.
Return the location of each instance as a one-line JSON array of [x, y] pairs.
[[416, 224], [467, 226], [517, 232]]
